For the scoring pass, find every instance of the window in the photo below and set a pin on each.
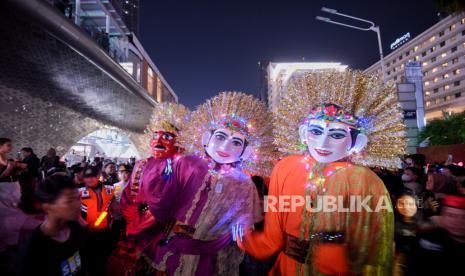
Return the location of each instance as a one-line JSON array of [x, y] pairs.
[[426, 83], [445, 76], [435, 90], [425, 63], [417, 58], [425, 73], [402, 66], [441, 33], [453, 49], [444, 65], [442, 44], [456, 83], [400, 57], [423, 54], [446, 98], [432, 39], [435, 69], [458, 95], [437, 101], [433, 59], [443, 55], [389, 72], [427, 93], [455, 60], [463, 32], [453, 38], [395, 78], [415, 48], [446, 87], [388, 64], [462, 21], [428, 103], [435, 79], [456, 71], [451, 27], [432, 49]]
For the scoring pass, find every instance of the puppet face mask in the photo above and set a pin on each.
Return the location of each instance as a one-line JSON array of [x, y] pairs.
[[225, 146], [163, 144], [330, 141]]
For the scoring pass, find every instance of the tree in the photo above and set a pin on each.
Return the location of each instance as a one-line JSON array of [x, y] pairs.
[[446, 131]]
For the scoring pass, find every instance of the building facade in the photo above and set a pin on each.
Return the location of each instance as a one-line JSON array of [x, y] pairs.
[[441, 52], [114, 26]]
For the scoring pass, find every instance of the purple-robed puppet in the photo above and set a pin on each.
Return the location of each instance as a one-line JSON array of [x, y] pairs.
[[213, 193], [148, 186]]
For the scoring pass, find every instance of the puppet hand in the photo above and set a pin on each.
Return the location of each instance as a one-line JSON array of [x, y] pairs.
[[331, 258]]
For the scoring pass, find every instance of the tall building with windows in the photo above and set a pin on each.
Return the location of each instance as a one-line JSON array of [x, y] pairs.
[[130, 13], [441, 53]]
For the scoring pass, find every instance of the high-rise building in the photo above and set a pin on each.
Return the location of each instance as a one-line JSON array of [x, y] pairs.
[[441, 52], [130, 13]]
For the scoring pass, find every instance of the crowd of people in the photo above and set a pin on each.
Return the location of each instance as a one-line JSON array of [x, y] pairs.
[[203, 214]]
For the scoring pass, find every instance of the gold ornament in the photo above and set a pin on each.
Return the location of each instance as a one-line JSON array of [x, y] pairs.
[[359, 94], [252, 112], [170, 117]]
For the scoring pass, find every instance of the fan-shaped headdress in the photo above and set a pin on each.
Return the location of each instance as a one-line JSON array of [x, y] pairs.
[[239, 112], [170, 117], [365, 104]]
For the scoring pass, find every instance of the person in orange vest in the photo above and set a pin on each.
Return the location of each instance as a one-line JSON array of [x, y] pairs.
[[96, 212]]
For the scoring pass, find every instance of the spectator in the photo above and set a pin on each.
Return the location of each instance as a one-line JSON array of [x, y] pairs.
[[78, 176], [50, 160], [124, 172], [32, 162], [7, 166], [405, 237], [14, 224], [109, 176], [96, 200], [56, 247], [441, 184], [410, 178], [418, 161]]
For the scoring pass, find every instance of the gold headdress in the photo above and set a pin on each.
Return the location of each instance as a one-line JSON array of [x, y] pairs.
[[170, 117], [239, 112], [374, 109]]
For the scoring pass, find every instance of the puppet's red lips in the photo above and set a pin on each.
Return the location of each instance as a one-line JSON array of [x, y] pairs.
[[323, 152], [222, 154], [159, 148]]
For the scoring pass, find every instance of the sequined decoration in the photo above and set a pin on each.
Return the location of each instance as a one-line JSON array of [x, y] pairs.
[[362, 95], [135, 185], [169, 117], [251, 112]]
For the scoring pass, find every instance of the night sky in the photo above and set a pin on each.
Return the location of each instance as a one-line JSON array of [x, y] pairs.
[[203, 47]]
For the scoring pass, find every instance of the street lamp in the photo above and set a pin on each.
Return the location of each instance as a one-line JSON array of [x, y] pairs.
[[373, 28]]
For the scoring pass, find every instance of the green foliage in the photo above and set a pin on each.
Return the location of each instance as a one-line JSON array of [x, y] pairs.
[[447, 131]]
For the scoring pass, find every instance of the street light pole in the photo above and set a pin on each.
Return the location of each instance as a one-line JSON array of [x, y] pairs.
[[373, 28]]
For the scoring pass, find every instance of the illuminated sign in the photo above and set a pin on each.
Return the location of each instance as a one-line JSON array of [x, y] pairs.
[[399, 41]]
